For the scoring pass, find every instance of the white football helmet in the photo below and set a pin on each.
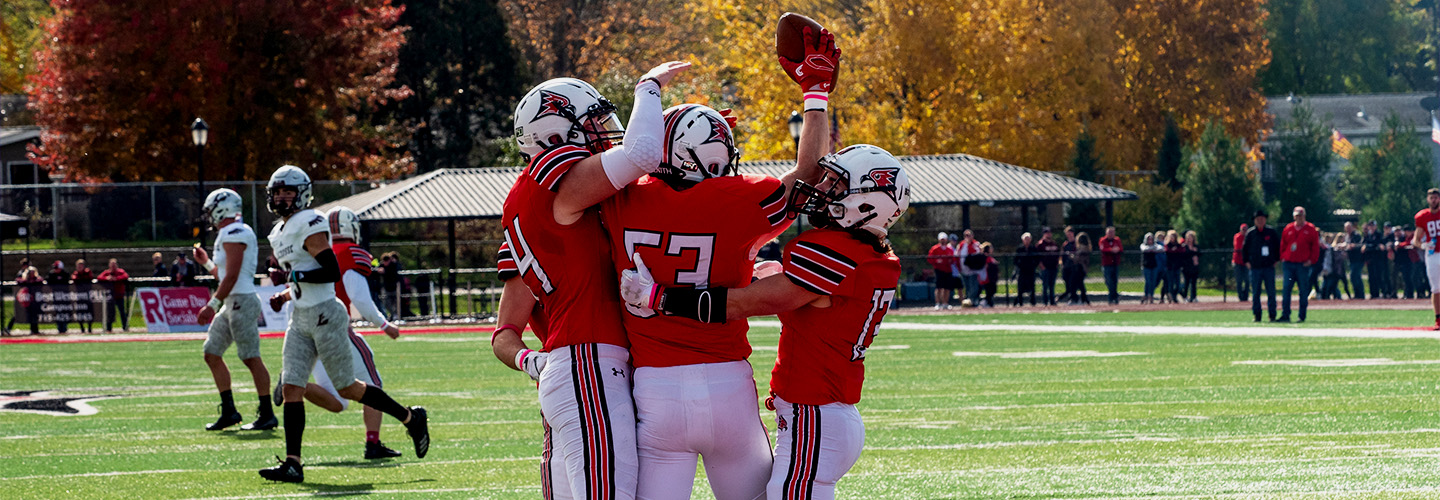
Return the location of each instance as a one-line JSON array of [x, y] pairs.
[[566, 111], [698, 144], [344, 224], [861, 187], [289, 176], [221, 204]]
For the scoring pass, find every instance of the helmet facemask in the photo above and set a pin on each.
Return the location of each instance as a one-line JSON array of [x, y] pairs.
[[602, 129], [275, 206]]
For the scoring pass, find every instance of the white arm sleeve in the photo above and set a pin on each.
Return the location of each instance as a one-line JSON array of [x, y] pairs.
[[642, 151], [359, 292]]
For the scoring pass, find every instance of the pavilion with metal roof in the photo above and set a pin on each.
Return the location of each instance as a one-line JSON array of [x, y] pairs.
[[479, 193]]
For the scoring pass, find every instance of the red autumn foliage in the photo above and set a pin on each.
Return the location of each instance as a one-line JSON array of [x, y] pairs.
[[277, 82]]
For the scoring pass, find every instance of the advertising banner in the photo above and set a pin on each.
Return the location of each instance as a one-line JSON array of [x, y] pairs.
[[59, 303], [172, 310]]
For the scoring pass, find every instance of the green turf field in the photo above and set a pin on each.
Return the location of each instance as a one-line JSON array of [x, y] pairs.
[[1144, 416]]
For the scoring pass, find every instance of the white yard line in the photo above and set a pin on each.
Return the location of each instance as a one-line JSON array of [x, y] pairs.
[[1259, 331]]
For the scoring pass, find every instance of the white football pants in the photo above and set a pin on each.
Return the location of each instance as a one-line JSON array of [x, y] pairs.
[[708, 410], [814, 447], [585, 399]]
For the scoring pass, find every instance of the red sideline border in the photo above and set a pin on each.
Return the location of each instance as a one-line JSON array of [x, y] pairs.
[[160, 337]]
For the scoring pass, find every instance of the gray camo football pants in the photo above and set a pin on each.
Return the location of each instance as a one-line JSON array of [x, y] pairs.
[[318, 332]]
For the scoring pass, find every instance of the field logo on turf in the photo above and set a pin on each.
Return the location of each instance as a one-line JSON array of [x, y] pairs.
[[45, 403]]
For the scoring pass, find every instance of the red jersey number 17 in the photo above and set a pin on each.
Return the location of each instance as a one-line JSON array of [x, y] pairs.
[[525, 261], [880, 301]]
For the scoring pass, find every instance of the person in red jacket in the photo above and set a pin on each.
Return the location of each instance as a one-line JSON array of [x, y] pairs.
[[941, 256], [1110, 251], [1237, 259], [115, 279], [1299, 250]]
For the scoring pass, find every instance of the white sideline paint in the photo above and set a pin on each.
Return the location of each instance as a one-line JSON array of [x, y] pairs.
[[1334, 363], [1160, 330], [1050, 354]]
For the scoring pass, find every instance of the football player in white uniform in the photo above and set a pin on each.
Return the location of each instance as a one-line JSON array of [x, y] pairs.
[[319, 323], [235, 309], [355, 266]]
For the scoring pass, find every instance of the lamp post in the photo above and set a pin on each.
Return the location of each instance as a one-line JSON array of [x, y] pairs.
[[200, 134], [796, 123]]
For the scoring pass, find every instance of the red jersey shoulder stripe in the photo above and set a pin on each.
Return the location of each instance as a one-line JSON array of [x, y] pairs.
[[817, 268], [505, 262], [773, 206], [552, 165], [362, 261]]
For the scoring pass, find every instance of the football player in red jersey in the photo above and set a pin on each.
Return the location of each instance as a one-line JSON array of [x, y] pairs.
[[1427, 232], [694, 389], [355, 266], [570, 135], [839, 281]]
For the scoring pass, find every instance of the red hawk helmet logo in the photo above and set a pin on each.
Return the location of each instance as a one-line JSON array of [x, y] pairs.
[[884, 177], [719, 133], [553, 104]]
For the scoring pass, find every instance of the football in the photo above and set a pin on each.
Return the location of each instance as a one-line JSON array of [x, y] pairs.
[[790, 35]]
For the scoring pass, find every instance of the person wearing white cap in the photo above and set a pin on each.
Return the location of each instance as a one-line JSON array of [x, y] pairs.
[[941, 257]]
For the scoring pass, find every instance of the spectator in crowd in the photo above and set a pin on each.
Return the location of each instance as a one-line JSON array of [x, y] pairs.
[[972, 262], [27, 277], [1080, 262], [1149, 266], [1355, 260], [1049, 252], [1110, 252], [1329, 268], [1404, 283], [1387, 234], [939, 258], [277, 274], [1373, 247], [161, 271], [83, 276], [1262, 249], [118, 281], [990, 278], [1242, 275], [1315, 269], [1191, 267], [1299, 249], [1417, 269], [1162, 264], [1027, 262], [57, 278], [955, 265], [1174, 265], [1067, 266], [180, 274], [1339, 247]]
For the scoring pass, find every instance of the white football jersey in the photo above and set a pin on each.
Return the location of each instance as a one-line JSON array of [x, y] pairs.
[[237, 232], [288, 241]]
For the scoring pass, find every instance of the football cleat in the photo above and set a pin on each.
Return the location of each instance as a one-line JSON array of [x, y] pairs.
[[261, 424], [225, 420], [378, 450], [419, 430], [289, 471]]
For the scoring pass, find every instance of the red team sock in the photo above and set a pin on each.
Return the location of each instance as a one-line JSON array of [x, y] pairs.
[[372, 436]]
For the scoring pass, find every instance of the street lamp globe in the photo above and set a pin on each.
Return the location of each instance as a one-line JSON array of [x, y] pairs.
[[199, 132], [796, 121]]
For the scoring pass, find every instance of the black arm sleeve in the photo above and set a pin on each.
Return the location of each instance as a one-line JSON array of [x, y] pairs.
[[329, 271], [705, 306]]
